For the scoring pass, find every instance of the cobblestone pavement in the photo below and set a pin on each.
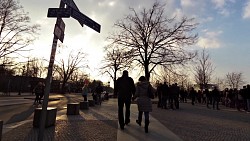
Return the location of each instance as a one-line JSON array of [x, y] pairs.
[[198, 123], [95, 124]]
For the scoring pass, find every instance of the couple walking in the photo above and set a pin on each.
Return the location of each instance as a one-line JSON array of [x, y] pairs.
[[125, 89]]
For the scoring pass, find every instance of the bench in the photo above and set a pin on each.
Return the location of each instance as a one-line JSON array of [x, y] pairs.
[[84, 105], [73, 108], [50, 117]]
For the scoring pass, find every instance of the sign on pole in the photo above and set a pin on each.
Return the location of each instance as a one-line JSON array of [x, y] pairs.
[[72, 5], [59, 12], [59, 29], [83, 19]]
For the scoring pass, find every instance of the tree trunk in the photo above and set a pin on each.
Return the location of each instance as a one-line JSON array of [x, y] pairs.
[[147, 74]]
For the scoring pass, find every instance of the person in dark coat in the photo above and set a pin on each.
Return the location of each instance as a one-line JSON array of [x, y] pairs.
[[98, 91], [165, 95], [39, 92], [143, 100], [124, 89], [159, 95], [192, 94], [216, 98], [208, 97]]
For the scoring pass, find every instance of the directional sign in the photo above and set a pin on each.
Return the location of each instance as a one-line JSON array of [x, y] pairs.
[[83, 19], [59, 12], [71, 4]]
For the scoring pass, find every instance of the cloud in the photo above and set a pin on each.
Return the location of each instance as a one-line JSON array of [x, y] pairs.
[[219, 3], [210, 39], [221, 6], [187, 3], [224, 12], [246, 11]]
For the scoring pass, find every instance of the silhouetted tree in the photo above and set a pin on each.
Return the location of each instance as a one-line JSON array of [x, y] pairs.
[[234, 79], [203, 69], [155, 39], [68, 65], [116, 59], [16, 33]]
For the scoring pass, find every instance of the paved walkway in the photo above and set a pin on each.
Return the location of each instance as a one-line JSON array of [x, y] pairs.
[[99, 123]]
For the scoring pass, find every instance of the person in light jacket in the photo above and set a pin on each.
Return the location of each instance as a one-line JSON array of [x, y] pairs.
[[85, 92], [143, 101]]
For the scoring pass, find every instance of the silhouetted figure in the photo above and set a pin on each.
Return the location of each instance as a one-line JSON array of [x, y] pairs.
[[182, 94], [143, 101], [248, 98], [216, 98], [159, 95], [39, 92], [85, 92], [192, 94], [98, 92], [124, 89], [208, 97], [176, 93], [165, 95]]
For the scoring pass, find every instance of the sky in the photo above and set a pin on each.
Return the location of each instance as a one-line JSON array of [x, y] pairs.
[[224, 29]]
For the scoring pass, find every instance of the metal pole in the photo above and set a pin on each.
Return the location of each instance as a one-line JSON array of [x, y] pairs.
[[48, 83]]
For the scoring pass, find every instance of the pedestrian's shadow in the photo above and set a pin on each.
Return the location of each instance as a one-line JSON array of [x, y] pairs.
[[21, 116]]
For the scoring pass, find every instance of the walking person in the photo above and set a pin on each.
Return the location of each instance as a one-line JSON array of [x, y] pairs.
[[85, 92], [98, 91], [124, 89], [176, 93], [143, 88], [159, 95], [39, 92], [208, 97], [248, 98], [192, 94], [216, 97], [165, 93]]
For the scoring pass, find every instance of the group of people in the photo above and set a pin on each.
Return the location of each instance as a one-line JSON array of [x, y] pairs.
[[235, 98], [207, 97], [126, 91], [168, 96], [96, 93]]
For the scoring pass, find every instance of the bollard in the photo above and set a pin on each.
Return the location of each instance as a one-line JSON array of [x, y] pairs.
[[73, 108], [91, 103], [50, 117], [1, 129], [84, 105]]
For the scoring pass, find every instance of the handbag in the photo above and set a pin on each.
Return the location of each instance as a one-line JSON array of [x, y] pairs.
[[150, 93]]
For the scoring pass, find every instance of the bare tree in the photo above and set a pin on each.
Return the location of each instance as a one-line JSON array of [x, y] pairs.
[[66, 67], [172, 76], [16, 33], [234, 79], [115, 60], [203, 69], [36, 67], [155, 39], [220, 82]]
